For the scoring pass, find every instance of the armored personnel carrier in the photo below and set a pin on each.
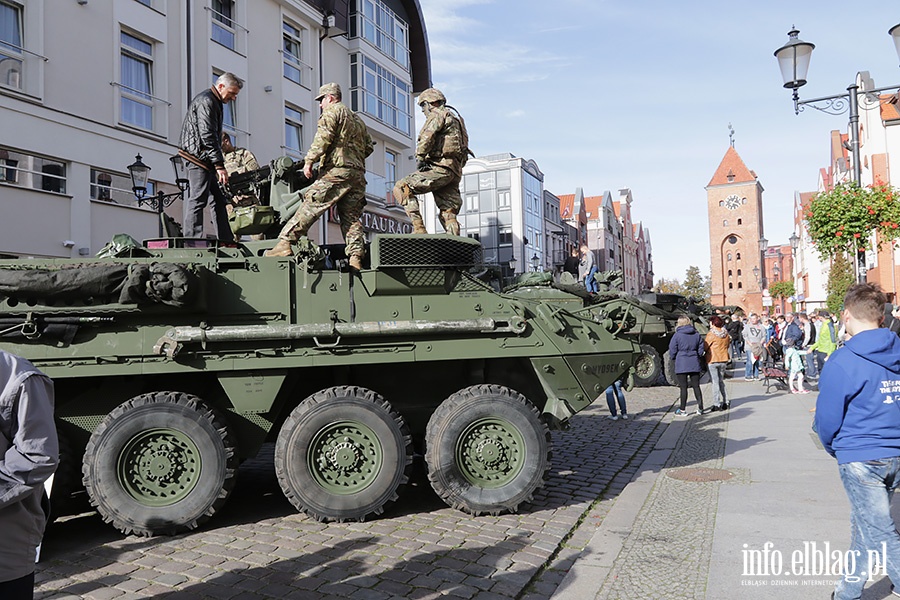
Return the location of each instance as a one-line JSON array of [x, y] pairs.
[[175, 361], [647, 319]]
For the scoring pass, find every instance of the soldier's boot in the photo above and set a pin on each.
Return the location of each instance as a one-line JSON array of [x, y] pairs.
[[451, 225], [356, 262], [282, 248], [417, 222]]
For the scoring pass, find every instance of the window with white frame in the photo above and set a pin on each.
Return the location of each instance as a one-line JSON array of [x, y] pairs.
[[293, 130], [504, 199], [294, 67], [383, 28], [114, 187], [505, 236], [376, 91], [223, 26], [136, 81], [390, 169], [30, 171], [12, 58], [471, 203]]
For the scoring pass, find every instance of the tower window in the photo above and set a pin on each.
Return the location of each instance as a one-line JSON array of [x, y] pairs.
[[740, 285], [738, 256], [740, 221], [730, 286], [725, 223]]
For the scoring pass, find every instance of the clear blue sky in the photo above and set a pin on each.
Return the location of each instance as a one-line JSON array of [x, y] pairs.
[[609, 94]]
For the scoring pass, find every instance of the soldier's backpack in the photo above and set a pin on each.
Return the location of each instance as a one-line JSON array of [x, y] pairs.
[[465, 152]]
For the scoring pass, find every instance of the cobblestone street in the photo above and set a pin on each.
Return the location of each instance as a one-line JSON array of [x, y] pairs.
[[259, 547]]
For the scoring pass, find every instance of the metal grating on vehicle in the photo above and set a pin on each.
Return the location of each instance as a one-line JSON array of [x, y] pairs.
[[426, 251]]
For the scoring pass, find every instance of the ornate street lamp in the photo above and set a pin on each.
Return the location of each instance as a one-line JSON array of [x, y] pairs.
[[895, 34], [793, 60], [139, 176], [535, 262]]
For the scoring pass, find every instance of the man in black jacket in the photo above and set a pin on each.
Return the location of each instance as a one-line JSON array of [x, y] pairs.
[[201, 147]]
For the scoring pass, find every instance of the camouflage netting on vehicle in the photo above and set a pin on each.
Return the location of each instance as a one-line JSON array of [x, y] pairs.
[[165, 283]]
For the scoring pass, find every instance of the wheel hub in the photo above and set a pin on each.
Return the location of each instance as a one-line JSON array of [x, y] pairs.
[[345, 457], [491, 452], [159, 467]]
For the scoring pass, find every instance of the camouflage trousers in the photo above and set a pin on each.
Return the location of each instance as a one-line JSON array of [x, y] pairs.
[[441, 182], [345, 188]]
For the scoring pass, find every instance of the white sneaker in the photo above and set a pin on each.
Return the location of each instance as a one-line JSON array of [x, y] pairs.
[[613, 417], [624, 416]]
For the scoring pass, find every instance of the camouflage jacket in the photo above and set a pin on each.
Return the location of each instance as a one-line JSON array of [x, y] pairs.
[[240, 160], [342, 140], [443, 140]]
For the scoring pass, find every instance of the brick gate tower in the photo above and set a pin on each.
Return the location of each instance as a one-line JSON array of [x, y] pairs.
[[734, 205]]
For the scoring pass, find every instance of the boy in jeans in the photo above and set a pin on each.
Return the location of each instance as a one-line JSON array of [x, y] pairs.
[[858, 422]]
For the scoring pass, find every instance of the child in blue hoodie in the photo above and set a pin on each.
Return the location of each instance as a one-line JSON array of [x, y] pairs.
[[858, 422]]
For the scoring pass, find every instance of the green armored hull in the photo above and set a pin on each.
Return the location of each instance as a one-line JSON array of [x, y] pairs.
[[173, 364]]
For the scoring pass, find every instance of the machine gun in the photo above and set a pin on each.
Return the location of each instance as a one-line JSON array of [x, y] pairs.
[[279, 185]]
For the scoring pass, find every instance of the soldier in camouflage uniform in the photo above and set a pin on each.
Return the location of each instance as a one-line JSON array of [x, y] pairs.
[[238, 160], [441, 152], [341, 146]]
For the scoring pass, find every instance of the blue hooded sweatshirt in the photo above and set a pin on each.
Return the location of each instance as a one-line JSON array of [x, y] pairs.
[[858, 409]]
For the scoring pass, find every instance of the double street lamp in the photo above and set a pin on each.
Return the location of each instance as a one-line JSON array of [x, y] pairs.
[[139, 175], [793, 60]]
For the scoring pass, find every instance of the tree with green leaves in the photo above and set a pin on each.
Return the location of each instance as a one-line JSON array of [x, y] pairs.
[[840, 278], [668, 286], [696, 285]]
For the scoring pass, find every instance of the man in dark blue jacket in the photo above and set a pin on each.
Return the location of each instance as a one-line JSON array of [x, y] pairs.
[[201, 147], [858, 422]]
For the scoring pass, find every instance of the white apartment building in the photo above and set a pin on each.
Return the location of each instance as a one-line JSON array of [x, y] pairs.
[[503, 200], [85, 85]]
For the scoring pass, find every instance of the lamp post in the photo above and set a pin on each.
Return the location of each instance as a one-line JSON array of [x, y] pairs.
[[535, 262], [793, 60], [795, 243], [760, 271], [139, 174]]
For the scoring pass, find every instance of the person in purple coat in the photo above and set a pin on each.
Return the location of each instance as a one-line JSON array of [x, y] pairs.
[[686, 349]]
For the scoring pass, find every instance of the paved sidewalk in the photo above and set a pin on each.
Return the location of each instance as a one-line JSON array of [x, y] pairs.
[[696, 519]]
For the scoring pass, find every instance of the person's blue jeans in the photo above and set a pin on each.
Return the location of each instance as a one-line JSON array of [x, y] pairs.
[[811, 370], [717, 375], [612, 392], [751, 369], [869, 486], [736, 349], [589, 282]]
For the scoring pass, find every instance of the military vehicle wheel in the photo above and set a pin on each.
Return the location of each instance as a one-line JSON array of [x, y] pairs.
[[343, 454], [487, 450], [648, 367], [669, 368], [159, 464]]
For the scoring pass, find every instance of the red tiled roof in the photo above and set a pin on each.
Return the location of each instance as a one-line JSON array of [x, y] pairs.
[[889, 107], [617, 206], [732, 167], [592, 206], [566, 206]]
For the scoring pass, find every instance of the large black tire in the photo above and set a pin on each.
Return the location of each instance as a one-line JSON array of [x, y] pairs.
[[343, 454], [648, 368], [669, 369], [159, 464], [487, 450]]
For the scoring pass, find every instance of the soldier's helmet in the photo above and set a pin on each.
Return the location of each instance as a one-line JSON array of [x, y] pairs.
[[431, 95]]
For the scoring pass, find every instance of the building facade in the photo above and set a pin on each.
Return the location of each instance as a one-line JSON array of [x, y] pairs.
[[76, 114], [503, 208], [734, 207]]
